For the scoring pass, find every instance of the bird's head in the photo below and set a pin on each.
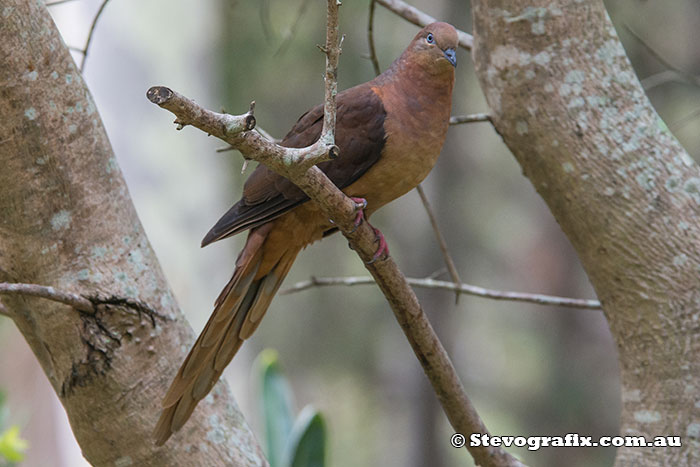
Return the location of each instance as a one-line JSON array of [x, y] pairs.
[[434, 48]]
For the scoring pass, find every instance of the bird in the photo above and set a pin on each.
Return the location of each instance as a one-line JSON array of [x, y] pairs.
[[390, 132]]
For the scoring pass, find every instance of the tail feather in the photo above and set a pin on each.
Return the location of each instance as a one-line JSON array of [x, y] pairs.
[[237, 313], [269, 287]]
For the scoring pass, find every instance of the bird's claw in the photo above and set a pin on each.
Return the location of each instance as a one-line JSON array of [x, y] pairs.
[[360, 205], [382, 250]]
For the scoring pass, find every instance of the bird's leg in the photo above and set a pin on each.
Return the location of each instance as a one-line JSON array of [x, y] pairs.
[[383, 248], [360, 205]]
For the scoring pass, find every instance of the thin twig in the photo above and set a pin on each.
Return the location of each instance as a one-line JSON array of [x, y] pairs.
[[678, 124], [417, 17], [472, 118], [298, 165], [426, 204], [287, 39], [370, 38], [661, 78], [692, 79], [85, 49], [58, 2], [451, 268], [76, 301], [82, 303], [468, 289], [332, 50]]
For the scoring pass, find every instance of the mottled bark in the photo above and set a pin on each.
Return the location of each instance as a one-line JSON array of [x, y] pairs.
[[66, 220], [569, 106]]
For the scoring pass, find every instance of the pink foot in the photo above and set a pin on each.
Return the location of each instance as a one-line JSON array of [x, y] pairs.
[[382, 250], [360, 205]]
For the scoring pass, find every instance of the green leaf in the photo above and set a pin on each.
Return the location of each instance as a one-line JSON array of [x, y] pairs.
[[277, 406], [12, 447], [307, 443]]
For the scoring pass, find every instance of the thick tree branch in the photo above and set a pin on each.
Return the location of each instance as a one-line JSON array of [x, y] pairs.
[[565, 99], [298, 166], [67, 220], [459, 288], [417, 17]]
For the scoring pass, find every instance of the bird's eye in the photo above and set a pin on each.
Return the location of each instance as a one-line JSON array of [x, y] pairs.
[[429, 38]]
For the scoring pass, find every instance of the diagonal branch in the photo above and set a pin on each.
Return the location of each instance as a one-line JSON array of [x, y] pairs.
[[417, 17], [298, 165], [451, 268], [459, 288], [426, 204], [370, 39]]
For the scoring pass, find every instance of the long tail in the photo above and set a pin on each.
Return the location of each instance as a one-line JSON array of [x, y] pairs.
[[237, 313]]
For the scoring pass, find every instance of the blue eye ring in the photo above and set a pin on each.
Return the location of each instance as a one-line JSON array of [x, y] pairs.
[[429, 38]]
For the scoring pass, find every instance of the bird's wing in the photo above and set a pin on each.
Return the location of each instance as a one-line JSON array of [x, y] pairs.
[[360, 137]]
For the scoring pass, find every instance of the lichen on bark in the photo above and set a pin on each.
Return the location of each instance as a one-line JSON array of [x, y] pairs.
[[569, 106]]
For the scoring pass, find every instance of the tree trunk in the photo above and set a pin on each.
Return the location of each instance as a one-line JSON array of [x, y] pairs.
[[66, 220], [571, 109]]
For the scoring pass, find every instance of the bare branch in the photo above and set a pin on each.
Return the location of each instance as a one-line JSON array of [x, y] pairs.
[[287, 39], [676, 125], [234, 129], [58, 2], [417, 17], [684, 75], [440, 239], [298, 165], [660, 78], [76, 301], [85, 49], [472, 118], [460, 288], [370, 39], [82, 303], [426, 204], [330, 78]]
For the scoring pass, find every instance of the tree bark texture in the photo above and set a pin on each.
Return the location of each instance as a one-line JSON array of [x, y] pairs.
[[66, 220], [569, 106]]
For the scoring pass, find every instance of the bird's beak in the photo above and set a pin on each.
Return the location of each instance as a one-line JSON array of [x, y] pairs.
[[451, 56]]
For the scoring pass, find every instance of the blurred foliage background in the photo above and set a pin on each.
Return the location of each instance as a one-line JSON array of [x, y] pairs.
[[530, 370]]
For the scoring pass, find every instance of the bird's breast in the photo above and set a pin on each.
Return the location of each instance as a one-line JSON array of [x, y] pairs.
[[415, 129]]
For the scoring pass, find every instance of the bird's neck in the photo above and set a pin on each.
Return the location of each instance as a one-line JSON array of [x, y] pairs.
[[434, 82]]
